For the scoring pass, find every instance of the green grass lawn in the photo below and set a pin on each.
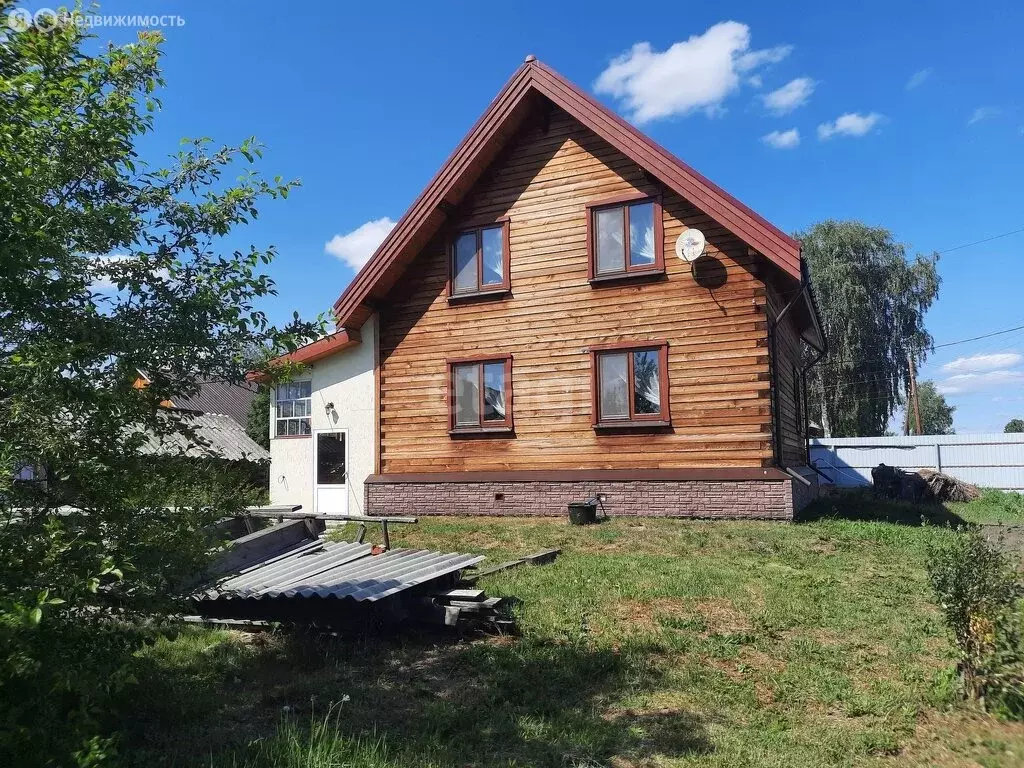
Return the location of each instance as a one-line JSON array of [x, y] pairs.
[[647, 643]]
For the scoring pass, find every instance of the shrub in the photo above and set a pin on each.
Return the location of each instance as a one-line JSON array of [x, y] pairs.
[[978, 588], [1007, 504]]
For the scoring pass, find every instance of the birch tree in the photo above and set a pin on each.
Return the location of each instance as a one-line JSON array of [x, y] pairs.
[[873, 300]]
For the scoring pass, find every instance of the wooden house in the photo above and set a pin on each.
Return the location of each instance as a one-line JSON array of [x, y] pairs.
[[542, 327]]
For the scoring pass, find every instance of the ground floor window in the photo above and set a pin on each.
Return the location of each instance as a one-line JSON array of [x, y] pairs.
[[480, 397], [630, 385]]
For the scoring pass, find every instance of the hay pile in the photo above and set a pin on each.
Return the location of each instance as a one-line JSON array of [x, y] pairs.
[[946, 488]]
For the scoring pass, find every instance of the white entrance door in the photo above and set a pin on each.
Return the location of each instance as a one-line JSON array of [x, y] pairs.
[[330, 472]]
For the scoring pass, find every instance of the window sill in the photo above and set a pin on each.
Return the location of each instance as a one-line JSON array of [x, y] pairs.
[[612, 426], [289, 437], [647, 275], [497, 293], [478, 431]]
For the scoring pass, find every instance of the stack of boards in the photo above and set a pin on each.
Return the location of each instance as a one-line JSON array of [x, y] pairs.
[[467, 608]]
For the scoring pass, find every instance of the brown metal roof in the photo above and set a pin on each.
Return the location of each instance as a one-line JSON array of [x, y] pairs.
[[316, 350], [222, 397], [532, 83]]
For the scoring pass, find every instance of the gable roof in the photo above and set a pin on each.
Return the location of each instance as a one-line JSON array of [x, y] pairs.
[[223, 397], [492, 131]]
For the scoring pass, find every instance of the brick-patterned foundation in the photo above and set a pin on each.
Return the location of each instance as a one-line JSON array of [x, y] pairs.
[[736, 499]]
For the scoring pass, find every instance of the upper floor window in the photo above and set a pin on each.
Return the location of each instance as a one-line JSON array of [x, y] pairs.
[[630, 385], [293, 409], [481, 395], [479, 261], [625, 238]]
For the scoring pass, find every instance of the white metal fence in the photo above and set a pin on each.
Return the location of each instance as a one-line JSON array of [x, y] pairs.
[[992, 461]]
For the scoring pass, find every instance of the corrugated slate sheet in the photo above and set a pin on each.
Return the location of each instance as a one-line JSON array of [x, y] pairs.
[[337, 570], [226, 438]]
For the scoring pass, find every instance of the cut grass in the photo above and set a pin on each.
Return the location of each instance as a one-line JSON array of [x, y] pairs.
[[647, 643]]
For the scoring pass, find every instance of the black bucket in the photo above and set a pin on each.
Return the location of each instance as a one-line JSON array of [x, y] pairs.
[[583, 513]]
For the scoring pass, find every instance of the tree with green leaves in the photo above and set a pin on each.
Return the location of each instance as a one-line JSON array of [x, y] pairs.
[[1014, 425], [258, 422], [936, 413], [873, 300], [107, 266]]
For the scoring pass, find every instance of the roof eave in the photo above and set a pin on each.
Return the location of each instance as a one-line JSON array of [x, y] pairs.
[[310, 353]]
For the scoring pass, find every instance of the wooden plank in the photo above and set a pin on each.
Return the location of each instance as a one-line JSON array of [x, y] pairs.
[[543, 557], [472, 595]]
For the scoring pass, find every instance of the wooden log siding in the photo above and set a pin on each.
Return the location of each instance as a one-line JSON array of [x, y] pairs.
[[792, 415], [717, 356]]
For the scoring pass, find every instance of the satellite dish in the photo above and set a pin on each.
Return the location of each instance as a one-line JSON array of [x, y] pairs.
[[690, 245]]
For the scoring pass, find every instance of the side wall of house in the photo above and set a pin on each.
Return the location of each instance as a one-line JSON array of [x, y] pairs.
[[788, 399], [345, 379], [716, 329]]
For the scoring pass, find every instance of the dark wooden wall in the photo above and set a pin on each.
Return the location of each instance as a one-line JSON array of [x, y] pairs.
[[789, 398]]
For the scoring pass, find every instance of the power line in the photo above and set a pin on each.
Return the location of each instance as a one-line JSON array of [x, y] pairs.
[[789, 294], [933, 347], [983, 336], [979, 242]]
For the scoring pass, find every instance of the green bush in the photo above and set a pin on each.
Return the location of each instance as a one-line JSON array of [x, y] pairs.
[[978, 588], [1010, 505]]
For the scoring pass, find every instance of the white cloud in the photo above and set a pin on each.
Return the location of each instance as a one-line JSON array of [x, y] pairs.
[[918, 78], [968, 383], [982, 363], [782, 139], [103, 281], [356, 247], [983, 113], [850, 124], [694, 74], [793, 94]]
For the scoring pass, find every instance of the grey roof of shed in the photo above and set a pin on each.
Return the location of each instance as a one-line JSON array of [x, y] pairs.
[[337, 570], [224, 437]]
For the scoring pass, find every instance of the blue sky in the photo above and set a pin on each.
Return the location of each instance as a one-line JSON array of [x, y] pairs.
[[876, 111]]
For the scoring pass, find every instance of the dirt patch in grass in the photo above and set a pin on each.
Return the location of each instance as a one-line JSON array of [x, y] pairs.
[[751, 666], [644, 615], [720, 616]]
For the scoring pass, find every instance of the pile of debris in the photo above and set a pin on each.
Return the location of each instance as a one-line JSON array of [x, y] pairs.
[[924, 486], [466, 607], [289, 573], [945, 487]]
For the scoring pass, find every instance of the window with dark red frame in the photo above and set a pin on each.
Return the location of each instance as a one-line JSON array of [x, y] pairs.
[[480, 395], [630, 385], [479, 261], [625, 238]]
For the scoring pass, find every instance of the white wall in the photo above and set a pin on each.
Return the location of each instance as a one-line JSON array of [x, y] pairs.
[[345, 379]]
